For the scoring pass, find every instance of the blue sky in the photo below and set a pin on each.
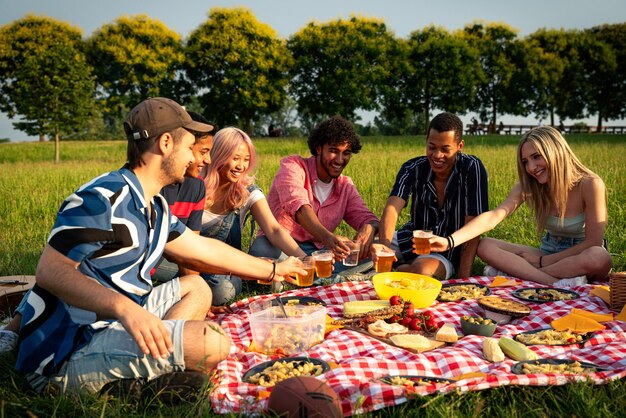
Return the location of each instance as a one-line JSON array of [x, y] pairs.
[[288, 16]]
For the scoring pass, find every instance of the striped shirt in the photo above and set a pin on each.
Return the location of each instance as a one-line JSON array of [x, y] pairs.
[[107, 228], [186, 201], [465, 195]]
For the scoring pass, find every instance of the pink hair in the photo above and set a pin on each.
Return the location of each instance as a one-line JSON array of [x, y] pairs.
[[225, 144]]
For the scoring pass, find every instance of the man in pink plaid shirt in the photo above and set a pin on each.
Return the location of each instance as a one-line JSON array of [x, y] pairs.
[[310, 197]]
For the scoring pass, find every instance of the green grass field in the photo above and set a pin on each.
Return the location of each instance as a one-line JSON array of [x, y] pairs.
[[32, 188]]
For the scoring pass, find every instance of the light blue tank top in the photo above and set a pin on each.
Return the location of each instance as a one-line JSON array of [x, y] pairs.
[[571, 228]]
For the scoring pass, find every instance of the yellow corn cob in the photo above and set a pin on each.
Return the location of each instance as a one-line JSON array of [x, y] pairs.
[[516, 350], [360, 307], [492, 351]]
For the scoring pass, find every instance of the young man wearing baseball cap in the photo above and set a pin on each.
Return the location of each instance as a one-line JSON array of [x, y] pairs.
[[94, 316]]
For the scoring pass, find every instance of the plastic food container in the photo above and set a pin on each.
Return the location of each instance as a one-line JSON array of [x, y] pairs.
[[272, 333], [419, 289]]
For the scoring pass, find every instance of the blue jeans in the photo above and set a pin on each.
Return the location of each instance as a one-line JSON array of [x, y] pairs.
[[551, 244], [223, 286]]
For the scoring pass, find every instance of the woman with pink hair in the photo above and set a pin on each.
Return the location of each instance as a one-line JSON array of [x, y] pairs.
[[230, 196]]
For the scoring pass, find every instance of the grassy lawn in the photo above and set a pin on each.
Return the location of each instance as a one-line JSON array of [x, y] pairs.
[[32, 187]]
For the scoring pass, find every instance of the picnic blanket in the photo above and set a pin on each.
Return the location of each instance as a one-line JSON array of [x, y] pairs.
[[361, 360]]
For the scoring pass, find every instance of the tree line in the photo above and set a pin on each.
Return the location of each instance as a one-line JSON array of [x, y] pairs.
[[238, 71]]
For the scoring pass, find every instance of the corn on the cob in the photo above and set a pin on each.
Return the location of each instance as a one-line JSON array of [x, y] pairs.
[[359, 307], [516, 350], [492, 351]]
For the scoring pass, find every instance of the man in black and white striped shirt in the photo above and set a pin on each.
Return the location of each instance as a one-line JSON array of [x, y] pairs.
[[447, 189]]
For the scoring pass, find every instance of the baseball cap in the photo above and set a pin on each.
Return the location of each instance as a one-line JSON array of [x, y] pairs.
[[157, 115]]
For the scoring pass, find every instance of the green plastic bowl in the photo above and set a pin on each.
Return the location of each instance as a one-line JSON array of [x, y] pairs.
[[471, 328]]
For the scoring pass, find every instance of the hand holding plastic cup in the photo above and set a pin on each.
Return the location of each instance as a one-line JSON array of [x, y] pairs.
[[385, 257], [352, 259], [323, 263], [421, 241], [308, 265]]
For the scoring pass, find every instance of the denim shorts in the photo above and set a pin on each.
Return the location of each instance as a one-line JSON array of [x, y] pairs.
[[113, 354], [551, 244]]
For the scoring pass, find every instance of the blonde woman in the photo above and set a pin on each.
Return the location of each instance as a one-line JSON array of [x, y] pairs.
[[230, 195], [569, 204]]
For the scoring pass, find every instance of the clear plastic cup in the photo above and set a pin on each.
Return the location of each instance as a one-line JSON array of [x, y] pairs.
[[421, 241], [323, 263], [352, 259]]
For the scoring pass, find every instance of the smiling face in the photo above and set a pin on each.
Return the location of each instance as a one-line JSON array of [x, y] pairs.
[[534, 164], [441, 150], [174, 166], [331, 160], [202, 155], [237, 166]]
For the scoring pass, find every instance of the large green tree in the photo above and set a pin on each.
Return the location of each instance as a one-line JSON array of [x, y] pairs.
[[134, 58], [503, 84], [340, 67], [604, 54], [239, 66], [443, 72], [556, 85], [44, 78]]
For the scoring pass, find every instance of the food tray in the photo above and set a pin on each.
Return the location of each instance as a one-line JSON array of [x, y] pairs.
[[451, 285], [262, 366], [517, 368], [518, 294], [586, 337], [417, 379]]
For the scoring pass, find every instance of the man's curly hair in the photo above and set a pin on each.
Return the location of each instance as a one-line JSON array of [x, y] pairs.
[[445, 122], [334, 130]]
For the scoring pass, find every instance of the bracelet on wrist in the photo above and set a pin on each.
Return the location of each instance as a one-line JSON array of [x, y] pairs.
[[540, 259], [271, 278]]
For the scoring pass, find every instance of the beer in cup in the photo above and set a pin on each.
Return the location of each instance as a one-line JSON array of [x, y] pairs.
[[421, 241], [352, 259], [323, 263], [385, 260], [309, 266]]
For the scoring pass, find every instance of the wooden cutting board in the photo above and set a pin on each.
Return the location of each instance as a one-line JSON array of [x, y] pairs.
[[433, 343]]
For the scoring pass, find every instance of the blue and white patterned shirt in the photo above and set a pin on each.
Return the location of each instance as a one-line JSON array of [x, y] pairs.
[[465, 195], [106, 227]]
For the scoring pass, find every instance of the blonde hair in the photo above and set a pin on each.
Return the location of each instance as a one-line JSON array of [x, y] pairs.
[[225, 143], [564, 171]]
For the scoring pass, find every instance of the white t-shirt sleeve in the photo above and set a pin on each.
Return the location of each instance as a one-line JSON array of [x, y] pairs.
[[254, 197]]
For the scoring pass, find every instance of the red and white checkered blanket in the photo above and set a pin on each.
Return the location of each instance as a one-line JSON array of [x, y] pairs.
[[362, 360]]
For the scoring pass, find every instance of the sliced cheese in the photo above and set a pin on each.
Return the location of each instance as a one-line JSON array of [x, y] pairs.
[[447, 333], [413, 341], [593, 315], [576, 323], [500, 281], [381, 329]]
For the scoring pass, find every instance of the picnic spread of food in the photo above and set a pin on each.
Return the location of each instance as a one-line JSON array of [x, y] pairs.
[[402, 335]]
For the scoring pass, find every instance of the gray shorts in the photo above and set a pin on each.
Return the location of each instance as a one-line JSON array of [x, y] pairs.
[[113, 354], [446, 263]]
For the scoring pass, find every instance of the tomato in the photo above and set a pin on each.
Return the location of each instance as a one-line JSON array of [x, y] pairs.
[[395, 300], [430, 323], [408, 305], [406, 321], [427, 315], [571, 340], [394, 319], [416, 324], [410, 312]]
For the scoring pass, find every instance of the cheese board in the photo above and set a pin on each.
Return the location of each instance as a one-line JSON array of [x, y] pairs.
[[433, 344]]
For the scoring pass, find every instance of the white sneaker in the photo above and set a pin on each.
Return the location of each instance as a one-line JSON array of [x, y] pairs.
[[8, 341], [571, 282], [491, 271]]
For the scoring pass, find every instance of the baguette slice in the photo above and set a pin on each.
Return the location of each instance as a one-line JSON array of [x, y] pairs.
[[447, 333]]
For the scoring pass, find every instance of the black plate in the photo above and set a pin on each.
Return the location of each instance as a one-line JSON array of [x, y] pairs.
[[429, 379], [586, 337], [446, 286], [517, 367], [262, 366], [518, 294], [303, 300]]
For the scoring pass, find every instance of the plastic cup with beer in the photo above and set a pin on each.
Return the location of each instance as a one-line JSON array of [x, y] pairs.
[[352, 259], [266, 282], [385, 259], [421, 241], [323, 263], [308, 264]]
